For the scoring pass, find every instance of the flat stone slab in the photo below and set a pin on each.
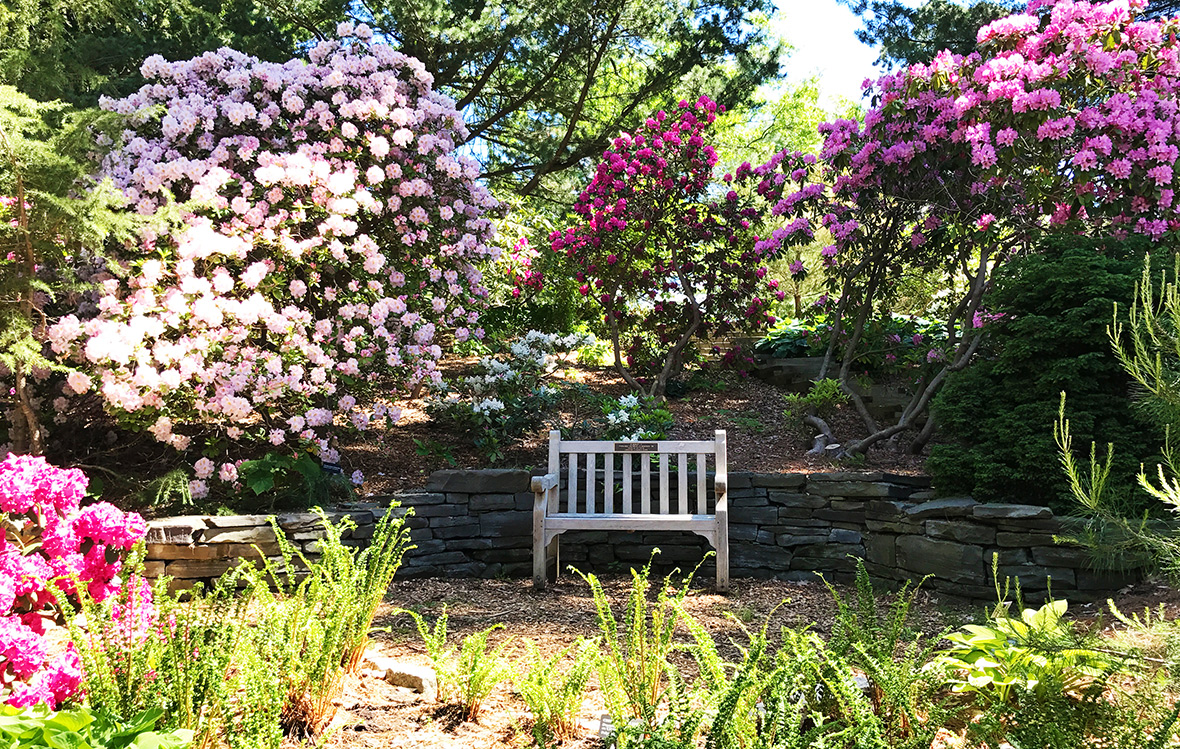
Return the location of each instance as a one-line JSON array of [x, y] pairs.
[[961, 531], [178, 530], [949, 507], [259, 534], [237, 521], [401, 674], [778, 480], [855, 488], [484, 481], [943, 559], [1012, 512]]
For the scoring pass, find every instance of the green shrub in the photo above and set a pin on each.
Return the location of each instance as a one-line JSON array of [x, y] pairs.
[[510, 393], [888, 343], [468, 676], [478, 670], [994, 418], [1036, 653], [320, 619], [82, 728], [553, 694], [645, 695]]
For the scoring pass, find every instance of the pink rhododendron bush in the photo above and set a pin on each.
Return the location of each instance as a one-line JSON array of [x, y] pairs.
[[50, 538], [665, 252], [331, 230], [1065, 122]]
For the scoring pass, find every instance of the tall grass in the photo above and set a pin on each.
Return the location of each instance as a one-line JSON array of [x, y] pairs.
[[260, 655]]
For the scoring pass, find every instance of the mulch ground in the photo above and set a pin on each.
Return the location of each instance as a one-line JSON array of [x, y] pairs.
[[759, 439], [377, 715]]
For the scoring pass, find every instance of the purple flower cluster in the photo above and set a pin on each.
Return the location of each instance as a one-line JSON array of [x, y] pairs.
[[332, 228]]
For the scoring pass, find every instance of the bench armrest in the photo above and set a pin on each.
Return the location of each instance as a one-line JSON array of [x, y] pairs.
[[721, 491], [542, 484]]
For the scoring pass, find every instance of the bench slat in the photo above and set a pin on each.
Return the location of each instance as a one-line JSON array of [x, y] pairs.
[[702, 491], [608, 484], [667, 446], [682, 482], [627, 483], [664, 510], [645, 483], [591, 474], [573, 483], [619, 522]]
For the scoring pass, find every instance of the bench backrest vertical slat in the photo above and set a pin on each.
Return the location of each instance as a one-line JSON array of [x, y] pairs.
[[608, 483], [627, 482], [702, 491], [663, 483], [682, 484], [645, 483], [555, 469], [573, 506], [591, 483]]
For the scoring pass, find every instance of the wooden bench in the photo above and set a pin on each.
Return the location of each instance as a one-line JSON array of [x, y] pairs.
[[589, 502]]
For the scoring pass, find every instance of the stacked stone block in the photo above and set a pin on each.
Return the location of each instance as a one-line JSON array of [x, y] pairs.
[[783, 526], [203, 547]]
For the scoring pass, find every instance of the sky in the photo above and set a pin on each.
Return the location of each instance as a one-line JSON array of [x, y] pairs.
[[823, 33]]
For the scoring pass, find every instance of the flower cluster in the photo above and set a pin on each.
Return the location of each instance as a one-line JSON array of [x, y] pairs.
[[661, 251], [508, 394], [519, 266], [331, 231], [1001, 143], [630, 418], [51, 542]]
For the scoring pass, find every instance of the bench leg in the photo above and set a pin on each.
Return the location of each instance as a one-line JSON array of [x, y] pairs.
[[722, 535], [554, 553], [540, 558]]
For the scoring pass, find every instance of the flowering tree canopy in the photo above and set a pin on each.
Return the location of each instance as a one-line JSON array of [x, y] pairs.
[[51, 542], [1064, 123], [662, 250], [330, 231]]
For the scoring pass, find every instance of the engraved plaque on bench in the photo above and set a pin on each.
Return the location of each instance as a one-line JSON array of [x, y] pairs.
[[636, 447]]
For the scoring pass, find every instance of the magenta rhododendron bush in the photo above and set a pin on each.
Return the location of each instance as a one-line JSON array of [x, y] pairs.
[[664, 251], [49, 537], [331, 231], [1066, 120]]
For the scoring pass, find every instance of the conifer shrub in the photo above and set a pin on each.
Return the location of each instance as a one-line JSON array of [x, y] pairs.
[[1050, 310]]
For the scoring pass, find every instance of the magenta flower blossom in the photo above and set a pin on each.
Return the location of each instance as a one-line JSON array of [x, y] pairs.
[[44, 500]]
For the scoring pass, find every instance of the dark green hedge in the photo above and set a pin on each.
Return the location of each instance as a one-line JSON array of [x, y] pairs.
[[995, 418]]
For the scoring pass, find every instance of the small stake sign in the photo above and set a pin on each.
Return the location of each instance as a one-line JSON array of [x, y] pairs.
[[636, 447]]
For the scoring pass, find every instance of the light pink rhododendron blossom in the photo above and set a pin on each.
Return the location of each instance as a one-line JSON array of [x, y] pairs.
[[997, 145], [41, 504], [334, 232]]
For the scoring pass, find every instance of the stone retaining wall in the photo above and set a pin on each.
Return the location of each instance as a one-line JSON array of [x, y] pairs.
[[202, 547], [787, 526]]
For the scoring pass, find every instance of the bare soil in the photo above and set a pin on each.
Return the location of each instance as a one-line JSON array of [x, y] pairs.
[[376, 714]]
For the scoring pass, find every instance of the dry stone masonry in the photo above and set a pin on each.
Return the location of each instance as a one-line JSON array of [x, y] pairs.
[[203, 547], [785, 526]]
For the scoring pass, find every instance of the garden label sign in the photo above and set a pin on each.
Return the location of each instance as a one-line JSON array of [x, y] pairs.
[[635, 447]]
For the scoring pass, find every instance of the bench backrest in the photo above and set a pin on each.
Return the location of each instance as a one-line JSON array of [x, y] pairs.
[[594, 468]]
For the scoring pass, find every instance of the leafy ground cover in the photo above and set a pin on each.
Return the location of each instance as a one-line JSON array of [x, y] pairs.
[[378, 715]]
